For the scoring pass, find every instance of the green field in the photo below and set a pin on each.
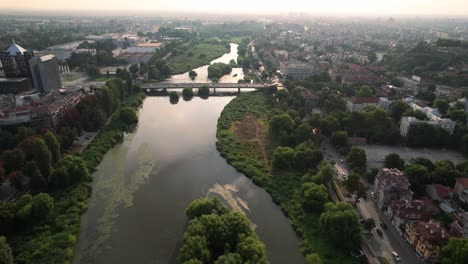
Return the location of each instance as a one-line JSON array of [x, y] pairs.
[[191, 56]]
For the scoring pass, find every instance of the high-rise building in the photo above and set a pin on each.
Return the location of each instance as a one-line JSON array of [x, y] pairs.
[[45, 73], [15, 61]]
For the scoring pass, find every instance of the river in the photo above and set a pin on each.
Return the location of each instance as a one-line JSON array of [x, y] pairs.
[[202, 71], [141, 188]]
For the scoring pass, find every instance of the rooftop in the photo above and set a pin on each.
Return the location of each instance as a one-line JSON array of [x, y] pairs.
[[14, 49], [364, 100], [463, 182]]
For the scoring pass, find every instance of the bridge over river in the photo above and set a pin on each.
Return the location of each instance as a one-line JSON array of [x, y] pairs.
[[149, 87]]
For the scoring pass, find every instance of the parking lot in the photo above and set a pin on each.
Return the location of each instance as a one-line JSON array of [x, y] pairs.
[[376, 154]]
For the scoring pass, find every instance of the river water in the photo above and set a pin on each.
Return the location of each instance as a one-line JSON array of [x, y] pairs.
[[202, 71], [141, 188]]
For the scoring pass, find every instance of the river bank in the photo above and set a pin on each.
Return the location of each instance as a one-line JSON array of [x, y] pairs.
[[243, 145]]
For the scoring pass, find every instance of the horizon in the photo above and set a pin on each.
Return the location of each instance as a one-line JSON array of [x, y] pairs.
[[339, 8]]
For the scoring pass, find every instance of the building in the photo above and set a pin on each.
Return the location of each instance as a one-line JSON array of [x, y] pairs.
[[310, 101], [459, 227], [402, 212], [137, 55], [15, 116], [391, 185], [281, 55], [413, 84], [7, 101], [14, 85], [427, 238], [46, 75], [358, 103], [439, 192], [15, 61], [64, 51], [461, 189], [432, 115], [296, 70]]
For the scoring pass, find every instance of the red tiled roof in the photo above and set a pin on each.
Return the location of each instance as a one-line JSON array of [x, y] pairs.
[[442, 191], [462, 181]]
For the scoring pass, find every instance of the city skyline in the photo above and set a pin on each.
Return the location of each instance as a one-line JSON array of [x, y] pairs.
[[332, 7]]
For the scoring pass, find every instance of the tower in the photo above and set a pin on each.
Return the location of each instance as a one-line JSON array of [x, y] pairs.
[[15, 61]]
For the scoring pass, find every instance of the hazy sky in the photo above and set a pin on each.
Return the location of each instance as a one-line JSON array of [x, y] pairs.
[[352, 7]]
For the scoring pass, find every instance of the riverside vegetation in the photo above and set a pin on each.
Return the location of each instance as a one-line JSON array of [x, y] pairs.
[[280, 154], [42, 226], [218, 235]]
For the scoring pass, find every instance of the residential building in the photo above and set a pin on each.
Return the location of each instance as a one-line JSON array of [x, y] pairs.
[[432, 115], [7, 101], [413, 84], [402, 212], [439, 192], [427, 238], [281, 55], [14, 85], [137, 55], [310, 101], [15, 61], [15, 116], [461, 189], [459, 227], [391, 185], [46, 75], [296, 70], [358, 103]]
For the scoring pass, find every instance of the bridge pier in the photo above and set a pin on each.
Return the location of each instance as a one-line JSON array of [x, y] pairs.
[[214, 90], [238, 90]]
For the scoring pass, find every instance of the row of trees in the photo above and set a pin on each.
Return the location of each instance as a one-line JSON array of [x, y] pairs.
[[218, 70], [217, 235]]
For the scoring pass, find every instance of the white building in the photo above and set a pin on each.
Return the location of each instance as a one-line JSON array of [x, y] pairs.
[[359, 103], [45, 73], [432, 115], [296, 70]]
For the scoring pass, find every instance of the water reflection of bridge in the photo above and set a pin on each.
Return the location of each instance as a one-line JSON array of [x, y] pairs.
[[154, 87]]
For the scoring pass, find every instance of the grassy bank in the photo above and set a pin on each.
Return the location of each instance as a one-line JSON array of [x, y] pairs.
[[285, 186], [54, 241], [189, 56]]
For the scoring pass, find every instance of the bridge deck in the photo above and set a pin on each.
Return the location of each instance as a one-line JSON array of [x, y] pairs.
[[199, 85]]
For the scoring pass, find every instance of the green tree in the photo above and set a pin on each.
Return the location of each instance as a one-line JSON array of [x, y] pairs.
[[313, 259], [42, 156], [69, 170], [281, 124], [53, 145], [283, 158], [340, 223], [369, 223], [418, 176], [397, 109], [357, 159], [187, 93], [393, 160], [134, 68], [6, 256], [204, 92], [442, 105], [37, 182], [324, 175], [13, 159], [203, 206], [195, 247], [365, 91], [193, 74], [306, 157], [456, 251], [128, 116], [339, 139], [313, 196], [173, 97], [352, 183], [230, 258], [42, 206], [252, 251]]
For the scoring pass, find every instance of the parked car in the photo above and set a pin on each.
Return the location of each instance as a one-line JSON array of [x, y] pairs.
[[379, 232], [383, 225], [357, 253], [396, 256]]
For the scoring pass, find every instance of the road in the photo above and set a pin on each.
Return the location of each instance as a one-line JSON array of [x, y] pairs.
[[391, 240]]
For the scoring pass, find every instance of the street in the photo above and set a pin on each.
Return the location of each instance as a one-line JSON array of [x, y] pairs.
[[391, 240]]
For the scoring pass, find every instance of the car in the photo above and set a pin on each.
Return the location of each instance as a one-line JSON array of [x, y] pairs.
[[343, 174], [383, 225], [341, 160], [379, 232], [368, 232], [357, 253], [396, 256]]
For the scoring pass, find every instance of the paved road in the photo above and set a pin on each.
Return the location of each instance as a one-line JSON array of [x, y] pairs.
[[391, 240]]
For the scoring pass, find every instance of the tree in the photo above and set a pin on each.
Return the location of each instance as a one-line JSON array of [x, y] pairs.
[[69, 170], [37, 182], [173, 97], [42, 156], [393, 160], [193, 74], [313, 196], [456, 251], [357, 159], [365, 91], [203, 206], [194, 248], [187, 93], [128, 116], [13, 159], [313, 259], [252, 251], [53, 145], [230, 258], [339, 139], [369, 223], [352, 183], [283, 158], [418, 176], [204, 92], [134, 68], [306, 157], [42, 205], [457, 115], [281, 124], [340, 223], [397, 109], [6, 256], [324, 175], [442, 105]]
